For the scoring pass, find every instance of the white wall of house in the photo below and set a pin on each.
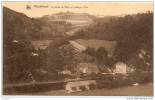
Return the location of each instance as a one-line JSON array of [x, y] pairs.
[[121, 68]]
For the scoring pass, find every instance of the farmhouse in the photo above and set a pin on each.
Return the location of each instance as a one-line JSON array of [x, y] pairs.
[[122, 68]]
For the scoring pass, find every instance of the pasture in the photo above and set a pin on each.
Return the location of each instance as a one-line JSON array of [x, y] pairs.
[[94, 43]]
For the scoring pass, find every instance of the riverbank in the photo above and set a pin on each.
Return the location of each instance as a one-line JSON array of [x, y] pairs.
[[140, 90]]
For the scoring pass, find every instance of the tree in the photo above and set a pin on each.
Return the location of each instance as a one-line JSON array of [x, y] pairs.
[[19, 62], [101, 55], [60, 58], [90, 51]]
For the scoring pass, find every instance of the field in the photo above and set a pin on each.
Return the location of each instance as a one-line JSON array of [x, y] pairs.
[[93, 43]]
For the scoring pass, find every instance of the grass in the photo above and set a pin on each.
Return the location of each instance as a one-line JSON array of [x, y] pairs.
[[94, 43]]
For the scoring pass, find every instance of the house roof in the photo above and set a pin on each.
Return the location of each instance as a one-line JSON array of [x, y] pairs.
[[77, 46]]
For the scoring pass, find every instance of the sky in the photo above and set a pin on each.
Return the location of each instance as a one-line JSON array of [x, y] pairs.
[[39, 9]]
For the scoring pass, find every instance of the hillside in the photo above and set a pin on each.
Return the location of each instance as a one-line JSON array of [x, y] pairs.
[[76, 19], [46, 27], [17, 25], [70, 16], [131, 31], [21, 26], [18, 31]]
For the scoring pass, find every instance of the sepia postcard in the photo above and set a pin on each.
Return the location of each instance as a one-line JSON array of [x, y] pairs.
[[77, 48]]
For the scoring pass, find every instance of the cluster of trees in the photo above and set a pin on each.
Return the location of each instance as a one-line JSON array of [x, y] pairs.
[[101, 57], [60, 57], [19, 64]]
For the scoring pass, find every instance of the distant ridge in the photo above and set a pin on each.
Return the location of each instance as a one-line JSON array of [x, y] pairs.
[[70, 16]]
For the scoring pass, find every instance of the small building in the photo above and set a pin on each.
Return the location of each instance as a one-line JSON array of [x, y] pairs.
[[65, 72], [88, 68], [120, 68], [76, 86], [15, 41], [123, 68]]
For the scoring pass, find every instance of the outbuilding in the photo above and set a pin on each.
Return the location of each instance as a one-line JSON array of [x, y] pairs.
[[76, 86], [120, 68]]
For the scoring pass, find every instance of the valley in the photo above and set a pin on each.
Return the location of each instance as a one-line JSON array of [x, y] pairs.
[[113, 51]]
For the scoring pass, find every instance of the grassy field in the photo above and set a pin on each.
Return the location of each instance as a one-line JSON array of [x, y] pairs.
[[93, 43]]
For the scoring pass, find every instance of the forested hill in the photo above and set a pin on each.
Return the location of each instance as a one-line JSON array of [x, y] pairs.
[[132, 32], [16, 25], [19, 26], [114, 28]]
